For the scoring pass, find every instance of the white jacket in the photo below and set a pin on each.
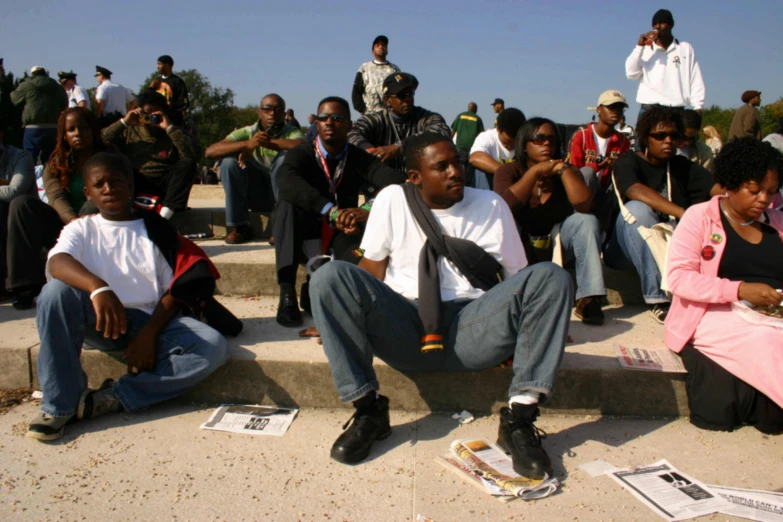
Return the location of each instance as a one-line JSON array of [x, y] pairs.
[[669, 77]]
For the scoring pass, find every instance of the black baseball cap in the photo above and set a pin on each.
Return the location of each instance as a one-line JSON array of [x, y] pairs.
[[397, 82], [380, 38], [498, 100]]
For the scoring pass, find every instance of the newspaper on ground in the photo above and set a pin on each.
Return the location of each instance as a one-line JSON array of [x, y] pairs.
[[496, 472], [649, 359], [764, 506], [453, 463], [670, 492], [255, 420]]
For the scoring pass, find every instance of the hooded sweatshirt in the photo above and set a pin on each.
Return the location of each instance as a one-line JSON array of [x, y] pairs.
[[43, 100]]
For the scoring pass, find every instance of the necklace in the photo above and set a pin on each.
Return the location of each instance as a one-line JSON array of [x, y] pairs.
[[740, 223]]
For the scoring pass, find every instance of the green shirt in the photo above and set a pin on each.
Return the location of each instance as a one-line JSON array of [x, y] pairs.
[[262, 155], [76, 194], [468, 125]]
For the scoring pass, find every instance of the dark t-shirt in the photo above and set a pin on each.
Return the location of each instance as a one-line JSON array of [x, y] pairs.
[[744, 261], [691, 183], [468, 125], [540, 220]]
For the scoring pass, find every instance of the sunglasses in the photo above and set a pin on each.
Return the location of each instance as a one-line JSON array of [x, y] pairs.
[[540, 139], [404, 95], [337, 118], [272, 108], [661, 136]]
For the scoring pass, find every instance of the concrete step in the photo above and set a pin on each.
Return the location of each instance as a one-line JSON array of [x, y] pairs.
[[271, 364]]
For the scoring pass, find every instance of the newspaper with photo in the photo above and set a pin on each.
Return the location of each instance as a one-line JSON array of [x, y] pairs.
[[764, 506], [251, 419], [453, 463], [496, 471], [670, 492], [649, 359]]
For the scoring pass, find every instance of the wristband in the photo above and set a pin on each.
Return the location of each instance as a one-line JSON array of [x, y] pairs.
[[100, 291], [368, 205], [333, 215]]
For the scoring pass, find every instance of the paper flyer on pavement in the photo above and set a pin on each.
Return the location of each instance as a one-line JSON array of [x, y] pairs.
[[649, 359], [764, 506], [254, 420], [670, 492]]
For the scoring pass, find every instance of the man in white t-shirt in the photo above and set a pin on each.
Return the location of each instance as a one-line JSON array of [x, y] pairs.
[[373, 309], [494, 147], [112, 100], [108, 285]]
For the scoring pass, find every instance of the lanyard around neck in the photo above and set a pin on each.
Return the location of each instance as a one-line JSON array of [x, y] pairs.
[[334, 180]]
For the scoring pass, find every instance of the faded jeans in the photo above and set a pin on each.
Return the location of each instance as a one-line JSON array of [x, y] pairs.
[[627, 250], [580, 237], [526, 317], [186, 352], [251, 188]]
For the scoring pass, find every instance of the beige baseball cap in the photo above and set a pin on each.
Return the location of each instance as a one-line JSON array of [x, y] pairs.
[[37, 68], [611, 97]]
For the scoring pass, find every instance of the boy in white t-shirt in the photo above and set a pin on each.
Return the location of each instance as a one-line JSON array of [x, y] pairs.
[[495, 147], [373, 309], [108, 285]]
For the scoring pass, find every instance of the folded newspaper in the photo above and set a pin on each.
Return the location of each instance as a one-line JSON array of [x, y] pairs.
[[649, 359], [486, 465], [764, 506], [255, 420]]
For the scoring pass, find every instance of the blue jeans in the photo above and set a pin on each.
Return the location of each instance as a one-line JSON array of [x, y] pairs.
[[40, 141], [252, 188], [580, 237], [627, 250], [187, 351], [359, 316]]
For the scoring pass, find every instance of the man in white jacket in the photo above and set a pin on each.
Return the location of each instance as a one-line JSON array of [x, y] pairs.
[[666, 68]]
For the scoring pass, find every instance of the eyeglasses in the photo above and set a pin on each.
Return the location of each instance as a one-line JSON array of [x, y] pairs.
[[404, 95], [272, 108], [337, 118], [661, 136], [540, 139]]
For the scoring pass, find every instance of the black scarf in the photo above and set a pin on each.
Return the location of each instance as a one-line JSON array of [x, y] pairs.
[[481, 269]]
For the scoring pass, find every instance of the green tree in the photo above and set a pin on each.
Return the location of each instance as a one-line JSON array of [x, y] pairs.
[[211, 108], [244, 116], [769, 116], [719, 118]]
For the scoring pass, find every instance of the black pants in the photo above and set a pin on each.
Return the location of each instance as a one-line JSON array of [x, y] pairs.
[[292, 227], [719, 401], [33, 229], [4, 209], [173, 187]]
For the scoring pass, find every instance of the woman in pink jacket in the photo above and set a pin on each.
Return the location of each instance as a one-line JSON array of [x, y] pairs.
[[725, 250]]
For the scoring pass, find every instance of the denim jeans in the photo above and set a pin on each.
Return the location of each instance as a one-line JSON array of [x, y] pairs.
[[186, 352], [525, 316], [252, 188], [627, 250], [40, 142], [580, 237]]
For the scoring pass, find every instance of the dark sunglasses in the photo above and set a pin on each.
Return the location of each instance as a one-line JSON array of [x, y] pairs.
[[272, 108], [661, 136], [540, 139], [403, 95], [337, 118]]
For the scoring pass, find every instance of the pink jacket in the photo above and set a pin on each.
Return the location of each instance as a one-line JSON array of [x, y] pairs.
[[694, 257]]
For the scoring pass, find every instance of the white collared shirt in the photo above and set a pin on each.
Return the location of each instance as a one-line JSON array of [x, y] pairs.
[[669, 77]]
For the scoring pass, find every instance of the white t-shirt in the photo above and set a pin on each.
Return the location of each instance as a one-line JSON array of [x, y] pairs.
[[120, 253], [489, 142], [600, 143], [482, 217], [78, 95], [115, 97]]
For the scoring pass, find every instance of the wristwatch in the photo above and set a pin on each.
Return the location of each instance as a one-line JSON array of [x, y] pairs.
[[559, 173]]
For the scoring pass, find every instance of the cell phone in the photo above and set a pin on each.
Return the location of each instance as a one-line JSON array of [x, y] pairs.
[[155, 119], [144, 118]]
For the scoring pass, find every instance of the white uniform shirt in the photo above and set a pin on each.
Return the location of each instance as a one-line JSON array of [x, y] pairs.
[[482, 217], [78, 95], [114, 96], [669, 77]]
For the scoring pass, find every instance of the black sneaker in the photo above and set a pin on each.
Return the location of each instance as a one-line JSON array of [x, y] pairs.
[[522, 440], [45, 427], [370, 423], [288, 313], [94, 403], [660, 311], [588, 310]]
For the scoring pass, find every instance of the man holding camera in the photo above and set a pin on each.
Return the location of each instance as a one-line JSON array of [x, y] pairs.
[[163, 157]]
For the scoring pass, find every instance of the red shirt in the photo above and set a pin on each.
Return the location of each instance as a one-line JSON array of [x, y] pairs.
[[584, 150]]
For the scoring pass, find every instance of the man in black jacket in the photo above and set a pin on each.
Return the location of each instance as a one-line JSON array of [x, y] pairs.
[[319, 186], [383, 133], [172, 87]]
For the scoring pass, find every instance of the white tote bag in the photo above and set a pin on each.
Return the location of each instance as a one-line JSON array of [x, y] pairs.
[[657, 237]]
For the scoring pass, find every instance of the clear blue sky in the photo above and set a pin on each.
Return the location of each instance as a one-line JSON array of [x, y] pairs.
[[548, 58]]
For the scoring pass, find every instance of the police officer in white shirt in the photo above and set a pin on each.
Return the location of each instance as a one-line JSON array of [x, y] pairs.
[[666, 68], [112, 100], [77, 97]]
